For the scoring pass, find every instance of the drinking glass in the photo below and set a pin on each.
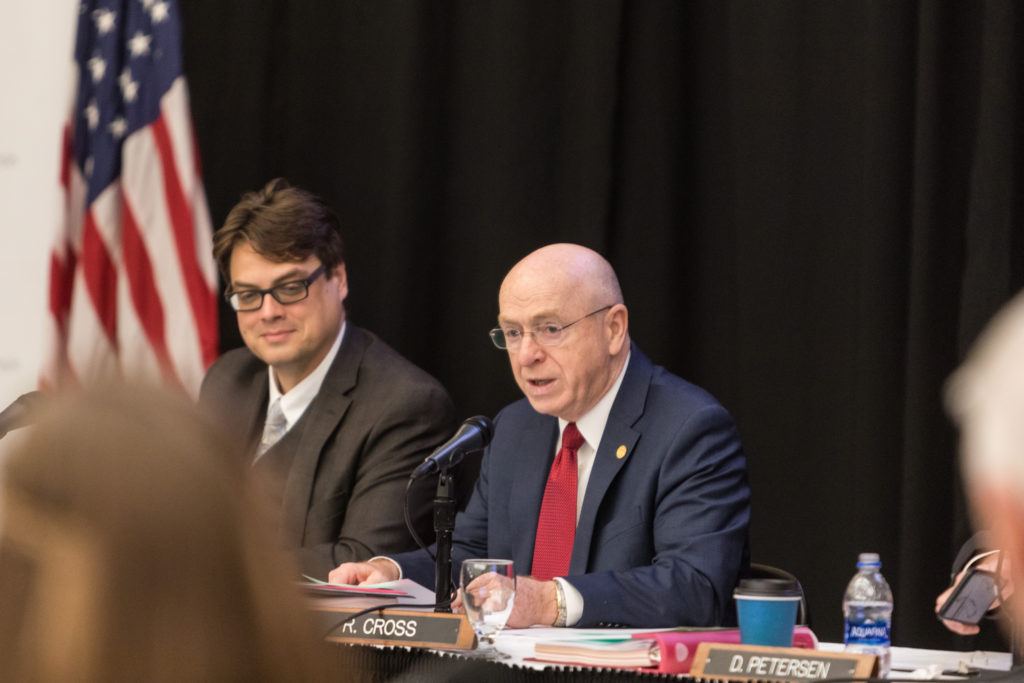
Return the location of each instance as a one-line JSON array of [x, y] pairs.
[[488, 589]]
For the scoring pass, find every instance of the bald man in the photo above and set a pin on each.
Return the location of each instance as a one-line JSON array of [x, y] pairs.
[[619, 489]]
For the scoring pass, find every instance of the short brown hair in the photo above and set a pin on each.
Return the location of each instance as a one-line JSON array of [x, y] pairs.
[[282, 223]]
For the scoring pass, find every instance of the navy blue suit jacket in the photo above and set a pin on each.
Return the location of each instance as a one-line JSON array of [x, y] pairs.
[[662, 535]]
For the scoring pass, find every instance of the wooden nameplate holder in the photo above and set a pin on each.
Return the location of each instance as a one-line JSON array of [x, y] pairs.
[[728, 662], [407, 627]]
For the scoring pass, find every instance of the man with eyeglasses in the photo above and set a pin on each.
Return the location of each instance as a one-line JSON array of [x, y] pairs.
[[618, 489], [335, 420]]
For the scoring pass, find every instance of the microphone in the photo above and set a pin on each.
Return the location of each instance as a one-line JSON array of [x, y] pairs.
[[474, 434], [19, 413]]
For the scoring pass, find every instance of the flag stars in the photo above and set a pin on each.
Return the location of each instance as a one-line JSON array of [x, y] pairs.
[[129, 88], [92, 114], [158, 12], [97, 67], [138, 45], [118, 127], [105, 20], [89, 164]]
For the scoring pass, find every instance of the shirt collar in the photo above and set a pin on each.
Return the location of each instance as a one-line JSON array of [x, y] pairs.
[[295, 402], [592, 424]]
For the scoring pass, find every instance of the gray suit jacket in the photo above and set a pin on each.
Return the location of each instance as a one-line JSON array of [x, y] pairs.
[[340, 474]]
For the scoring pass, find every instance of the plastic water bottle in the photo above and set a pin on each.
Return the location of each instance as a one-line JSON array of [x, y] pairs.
[[867, 611]]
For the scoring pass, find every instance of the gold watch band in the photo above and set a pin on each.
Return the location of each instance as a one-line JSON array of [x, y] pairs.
[[560, 618]]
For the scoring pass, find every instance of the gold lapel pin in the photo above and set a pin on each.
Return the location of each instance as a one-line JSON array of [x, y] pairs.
[[620, 453]]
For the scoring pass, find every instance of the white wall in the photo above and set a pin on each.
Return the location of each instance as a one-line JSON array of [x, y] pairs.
[[36, 75]]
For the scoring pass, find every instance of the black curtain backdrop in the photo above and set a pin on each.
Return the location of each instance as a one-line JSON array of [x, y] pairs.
[[813, 207]]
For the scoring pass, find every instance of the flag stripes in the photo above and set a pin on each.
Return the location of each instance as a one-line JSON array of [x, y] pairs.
[[132, 280]]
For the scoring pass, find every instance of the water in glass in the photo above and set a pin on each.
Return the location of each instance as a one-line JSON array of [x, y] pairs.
[[488, 589]]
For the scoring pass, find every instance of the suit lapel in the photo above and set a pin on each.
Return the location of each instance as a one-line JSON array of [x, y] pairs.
[[534, 457], [619, 438], [324, 414], [251, 412]]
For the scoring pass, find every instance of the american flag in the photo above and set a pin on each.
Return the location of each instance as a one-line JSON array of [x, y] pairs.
[[132, 281]]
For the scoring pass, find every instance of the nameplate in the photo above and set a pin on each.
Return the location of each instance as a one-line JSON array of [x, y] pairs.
[[722, 661], [399, 627]]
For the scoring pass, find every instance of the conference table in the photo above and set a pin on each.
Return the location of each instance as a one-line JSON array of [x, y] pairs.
[[400, 663]]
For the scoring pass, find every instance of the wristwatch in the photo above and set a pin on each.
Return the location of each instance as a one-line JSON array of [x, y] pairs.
[[560, 619]]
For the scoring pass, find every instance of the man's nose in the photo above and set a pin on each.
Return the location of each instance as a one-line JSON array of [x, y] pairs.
[[270, 308], [529, 350]]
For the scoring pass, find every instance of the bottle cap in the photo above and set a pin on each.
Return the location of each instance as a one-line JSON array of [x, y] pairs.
[[868, 560]]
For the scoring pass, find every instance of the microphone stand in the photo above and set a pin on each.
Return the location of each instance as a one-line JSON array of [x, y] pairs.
[[444, 525]]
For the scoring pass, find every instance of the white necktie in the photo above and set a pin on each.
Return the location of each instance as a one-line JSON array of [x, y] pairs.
[[274, 428]]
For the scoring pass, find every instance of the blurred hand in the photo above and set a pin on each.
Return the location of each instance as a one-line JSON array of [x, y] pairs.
[[491, 591], [535, 603], [989, 564], [357, 573]]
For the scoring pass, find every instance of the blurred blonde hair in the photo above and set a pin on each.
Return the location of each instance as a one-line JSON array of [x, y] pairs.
[[132, 549]]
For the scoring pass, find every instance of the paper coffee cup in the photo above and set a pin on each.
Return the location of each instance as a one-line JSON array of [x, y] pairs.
[[766, 609]]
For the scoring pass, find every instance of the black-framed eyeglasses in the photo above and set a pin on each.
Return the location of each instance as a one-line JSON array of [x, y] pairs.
[[547, 334], [246, 300]]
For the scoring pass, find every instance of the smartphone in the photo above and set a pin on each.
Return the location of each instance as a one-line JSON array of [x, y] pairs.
[[972, 597]]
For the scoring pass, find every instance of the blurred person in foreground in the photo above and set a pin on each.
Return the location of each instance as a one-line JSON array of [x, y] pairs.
[[986, 398], [617, 487], [334, 417], [131, 549]]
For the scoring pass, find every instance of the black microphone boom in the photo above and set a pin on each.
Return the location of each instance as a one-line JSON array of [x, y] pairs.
[[474, 434]]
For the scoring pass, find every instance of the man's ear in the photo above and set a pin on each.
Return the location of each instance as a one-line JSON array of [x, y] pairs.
[[616, 325], [341, 275]]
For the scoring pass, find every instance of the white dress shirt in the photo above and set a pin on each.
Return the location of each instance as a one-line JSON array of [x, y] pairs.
[[298, 398]]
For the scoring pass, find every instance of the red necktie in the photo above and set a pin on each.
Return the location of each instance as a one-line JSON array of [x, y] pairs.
[[556, 527]]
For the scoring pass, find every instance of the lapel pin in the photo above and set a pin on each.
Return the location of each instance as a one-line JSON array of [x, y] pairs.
[[621, 452]]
